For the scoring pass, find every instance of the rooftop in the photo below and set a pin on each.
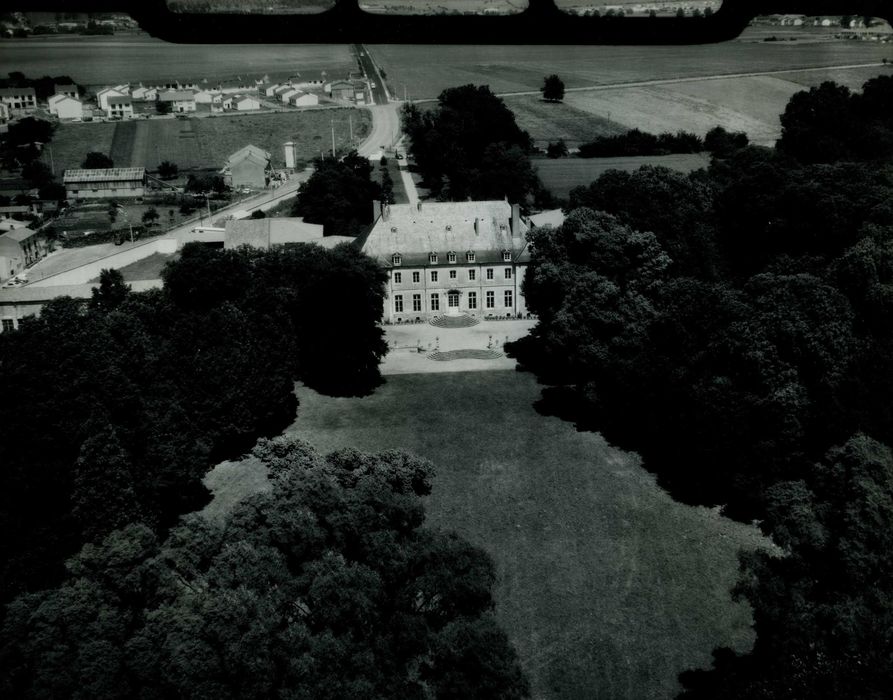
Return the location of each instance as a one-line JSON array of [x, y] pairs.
[[176, 96], [103, 175], [18, 234], [119, 99], [484, 228], [263, 233], [13, 92]]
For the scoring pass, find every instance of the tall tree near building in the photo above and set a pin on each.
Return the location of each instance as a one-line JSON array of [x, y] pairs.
[[553, 88], [96, 160]]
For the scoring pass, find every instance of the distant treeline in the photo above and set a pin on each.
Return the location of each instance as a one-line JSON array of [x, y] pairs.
[[249, 6], [44, 87], [641, 143], [115, 410]]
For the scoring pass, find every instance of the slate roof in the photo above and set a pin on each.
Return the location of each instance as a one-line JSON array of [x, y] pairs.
[[15, 92], [263, 233], [19, 234], [254, 152], [444, 227], [176, 96], [552, 218], [119, 100]]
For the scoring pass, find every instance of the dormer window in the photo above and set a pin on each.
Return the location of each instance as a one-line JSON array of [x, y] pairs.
[[507, 255], [469, 256], [396, 259], [451, 256], [432, 258]]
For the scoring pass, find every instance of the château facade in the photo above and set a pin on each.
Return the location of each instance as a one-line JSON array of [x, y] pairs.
[[450, 258]]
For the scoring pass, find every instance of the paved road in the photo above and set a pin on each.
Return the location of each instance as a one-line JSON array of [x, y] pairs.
[[689, 79], [380, 91]]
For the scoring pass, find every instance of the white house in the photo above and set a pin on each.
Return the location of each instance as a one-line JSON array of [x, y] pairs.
[[451, 258], [286, 95], [103, 95], [304, 99], [270, 90], [281, 89], [144, 94], [245, 103], [180, 100], [67, 89], [119, 107], [19, 99], [65, 107], [207, 97]]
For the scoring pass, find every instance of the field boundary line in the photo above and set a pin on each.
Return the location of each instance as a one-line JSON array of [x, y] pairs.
[[688, 79]]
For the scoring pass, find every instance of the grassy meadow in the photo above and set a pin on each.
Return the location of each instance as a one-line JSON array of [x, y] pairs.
[[607, 587], [206, 142]]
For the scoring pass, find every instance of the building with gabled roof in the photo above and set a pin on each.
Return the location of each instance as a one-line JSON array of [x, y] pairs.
[[65, 107], [450, 258], [248, 167], [19, 99], [272, 231], [103, 95], [180, 100], [67, 89], [102, 183]]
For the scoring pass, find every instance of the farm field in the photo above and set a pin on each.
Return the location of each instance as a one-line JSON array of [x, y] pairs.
[[427, 70], [561, 175], [205, 143], [550, 121], [102, 60], [606, 586], [433, 7]]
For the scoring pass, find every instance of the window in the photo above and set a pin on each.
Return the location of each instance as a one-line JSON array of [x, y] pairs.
[[433, 275], [472, 300], [508, 298], [508, 273], [469, 256], [491, 299], [472, 274], [397, 259], [452, 274], [398, 304], [507, 255], [416, 277], [451, 257], [435, 302], [398, 277], [432, 258], [8, 325], [416, 302], [489, 273]]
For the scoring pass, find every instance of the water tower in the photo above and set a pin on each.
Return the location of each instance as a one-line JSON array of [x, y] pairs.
[[291, 155]]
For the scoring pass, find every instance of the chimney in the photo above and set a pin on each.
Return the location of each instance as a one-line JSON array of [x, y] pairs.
[[476, 226], [516, 220]]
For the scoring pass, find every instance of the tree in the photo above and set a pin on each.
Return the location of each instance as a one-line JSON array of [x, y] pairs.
[[30, 130], [324, 587], [815, 124], [163, 107], [558, 149], [553, 88], [722, 143], [151, 216], [168, 170], [822, 609], [112, 291], [338, 195], [38, 174], [112, 211], [258, 214], [387, 187], [96, 160]]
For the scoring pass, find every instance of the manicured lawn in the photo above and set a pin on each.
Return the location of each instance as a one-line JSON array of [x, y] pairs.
[[607, 587]]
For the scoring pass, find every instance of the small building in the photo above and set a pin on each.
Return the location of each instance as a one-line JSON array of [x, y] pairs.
[[207, 97], [181, 101], [4, 117], [285, 96], [104, 183], [18, 211], [450, 258], [119, 107], [342, 90], [144, 94], [272, 231], [304, 99], [270, 90], [245, 103], [65, 107], [67, 89], [19, 100], [20, 248], [248, 167], [103, 95]]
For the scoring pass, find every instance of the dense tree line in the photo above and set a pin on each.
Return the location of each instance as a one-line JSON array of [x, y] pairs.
[[735, 327], [324, 587], [44, 87], [640, 143], [471, 146], [116, 410], [339, 195]]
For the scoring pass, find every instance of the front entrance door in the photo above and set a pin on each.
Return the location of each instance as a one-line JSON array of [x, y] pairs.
[[453, 300]]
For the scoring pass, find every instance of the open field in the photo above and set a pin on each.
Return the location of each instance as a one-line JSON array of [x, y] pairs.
[[437, 7], [561, 175], [206, 143], [427, 70], [550, 121], [606, 586], [104, 60]]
